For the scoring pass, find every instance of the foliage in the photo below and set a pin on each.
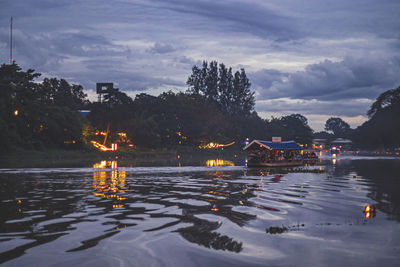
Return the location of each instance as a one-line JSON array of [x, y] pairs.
[[218, 84], [339, 127], [35, 115], [292, 127], [218, 107], [323, 135], [381, 131]]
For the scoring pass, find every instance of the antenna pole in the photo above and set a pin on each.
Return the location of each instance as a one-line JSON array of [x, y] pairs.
[[11, 59]]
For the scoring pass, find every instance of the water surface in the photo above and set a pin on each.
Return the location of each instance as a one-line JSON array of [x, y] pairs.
[[203, 216]]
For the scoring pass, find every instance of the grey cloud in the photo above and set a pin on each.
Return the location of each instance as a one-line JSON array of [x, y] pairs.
[[239, 16], [124, 80], [330, 108], [161, 48], [96, 40], [266, 78], [347, 79], [48, 51]]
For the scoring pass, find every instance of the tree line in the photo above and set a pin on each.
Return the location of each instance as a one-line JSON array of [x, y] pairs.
[[218, 106]]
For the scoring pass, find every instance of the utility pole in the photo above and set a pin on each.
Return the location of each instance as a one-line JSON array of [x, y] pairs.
[[11, 59]]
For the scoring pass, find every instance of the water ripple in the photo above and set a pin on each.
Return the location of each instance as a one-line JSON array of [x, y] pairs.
[[224, 213]]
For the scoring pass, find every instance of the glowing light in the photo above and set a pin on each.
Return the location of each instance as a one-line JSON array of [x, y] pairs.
[[114, 164], [214, 209], [219, 163], [218, 193], [106, 182], [100, 165], [16, 112], [214, 145], [106, 164], [369, 211], [114, 147]]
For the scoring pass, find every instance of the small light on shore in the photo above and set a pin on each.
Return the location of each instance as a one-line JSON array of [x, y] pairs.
[[16, 112]]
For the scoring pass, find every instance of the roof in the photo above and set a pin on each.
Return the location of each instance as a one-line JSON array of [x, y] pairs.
[[341, 141], [84, 113], [287, 145]]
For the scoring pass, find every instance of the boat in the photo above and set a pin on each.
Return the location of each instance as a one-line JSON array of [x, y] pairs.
[[273, 153], [310, 156]]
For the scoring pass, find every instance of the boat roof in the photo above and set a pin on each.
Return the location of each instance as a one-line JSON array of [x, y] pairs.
[[286, 145]]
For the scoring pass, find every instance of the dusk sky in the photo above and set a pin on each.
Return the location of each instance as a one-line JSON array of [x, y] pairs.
[[313, 57]]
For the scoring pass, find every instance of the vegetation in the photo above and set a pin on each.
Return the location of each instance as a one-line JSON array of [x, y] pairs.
[[339, 127], [33, 114], [217, 107], [382, 129]]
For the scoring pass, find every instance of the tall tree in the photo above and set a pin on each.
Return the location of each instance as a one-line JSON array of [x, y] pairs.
[[381, 131], [339, 127], [231, 92], [212, 82], [223, 87], [387, 99]]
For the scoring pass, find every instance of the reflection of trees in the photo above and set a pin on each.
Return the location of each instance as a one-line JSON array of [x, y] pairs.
[[384, 174], [45, 200], [221, 196], [170, 191], [210, 239], [202, 233], [110, 189]]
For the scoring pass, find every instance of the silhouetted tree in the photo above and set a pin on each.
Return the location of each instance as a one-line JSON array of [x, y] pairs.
[[381, 131], [38, 114], [231, 92], [338, 126]]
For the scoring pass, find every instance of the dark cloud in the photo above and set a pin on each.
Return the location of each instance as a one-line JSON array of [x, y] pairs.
[[265, 78], [349, 108], [252, 18], [161, 48], [48, 51], [124, 80], [329, 56], [351, 78]]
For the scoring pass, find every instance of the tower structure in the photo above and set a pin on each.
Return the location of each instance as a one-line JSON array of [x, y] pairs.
[[11, 40]]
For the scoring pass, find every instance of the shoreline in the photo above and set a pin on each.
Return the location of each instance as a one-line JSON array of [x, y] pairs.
[[59, 158]]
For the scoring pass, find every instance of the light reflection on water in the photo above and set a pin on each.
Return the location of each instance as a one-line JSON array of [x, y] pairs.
[[202, 215]]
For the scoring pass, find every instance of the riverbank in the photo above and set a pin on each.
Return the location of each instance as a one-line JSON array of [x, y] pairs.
[[59, 158]]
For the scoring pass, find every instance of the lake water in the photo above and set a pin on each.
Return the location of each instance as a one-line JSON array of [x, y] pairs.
[[342, 211]]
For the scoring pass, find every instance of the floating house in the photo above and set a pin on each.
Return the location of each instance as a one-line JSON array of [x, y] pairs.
[[273, 153]]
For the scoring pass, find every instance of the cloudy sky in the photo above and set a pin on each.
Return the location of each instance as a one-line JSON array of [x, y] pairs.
[[320, 58]]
